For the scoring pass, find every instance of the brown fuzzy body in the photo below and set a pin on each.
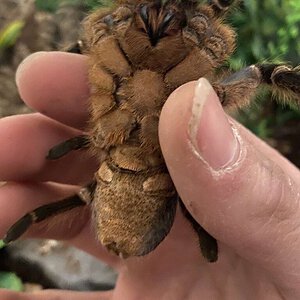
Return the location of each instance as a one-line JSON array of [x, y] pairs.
[[139, 52], [135, 200]]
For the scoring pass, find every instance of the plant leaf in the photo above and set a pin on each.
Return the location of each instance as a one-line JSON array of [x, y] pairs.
[[2, 244], [10, 281], [10, 34]]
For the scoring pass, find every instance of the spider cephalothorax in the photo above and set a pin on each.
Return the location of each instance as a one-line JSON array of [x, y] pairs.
[[158, 20], [139, 52]]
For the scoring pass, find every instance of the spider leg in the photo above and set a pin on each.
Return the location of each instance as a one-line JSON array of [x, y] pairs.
[[284, 79], [208, 244], [75, 143], [220, 7], [44, 212], [237, 89], [76, 48], [211, 43]]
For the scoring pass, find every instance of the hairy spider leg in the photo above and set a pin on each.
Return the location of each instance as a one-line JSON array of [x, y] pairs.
[[238, 89], [208, 244], [84, 197], [75, 48], [75, 143], [214, 42], [220, 7], [284, 79]]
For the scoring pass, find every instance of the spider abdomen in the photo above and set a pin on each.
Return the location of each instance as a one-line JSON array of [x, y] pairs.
[[134, 204]]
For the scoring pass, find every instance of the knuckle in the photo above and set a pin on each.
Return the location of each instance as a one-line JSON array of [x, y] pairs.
[[274, 203]]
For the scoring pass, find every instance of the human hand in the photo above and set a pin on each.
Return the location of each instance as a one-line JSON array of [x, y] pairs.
[[242, 191]]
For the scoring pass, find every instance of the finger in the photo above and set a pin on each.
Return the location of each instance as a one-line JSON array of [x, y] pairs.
[[57, 295], [243, 192], [17, 199], [26, 141], [55, 84]]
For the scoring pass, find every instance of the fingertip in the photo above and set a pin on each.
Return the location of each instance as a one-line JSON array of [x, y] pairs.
[[56, 84], [173, 119], [22, 69]]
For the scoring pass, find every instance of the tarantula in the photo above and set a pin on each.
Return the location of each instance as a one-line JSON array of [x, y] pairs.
[[140, 51]]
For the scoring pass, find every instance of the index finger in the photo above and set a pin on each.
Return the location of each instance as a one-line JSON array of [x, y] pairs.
[[56, 85]]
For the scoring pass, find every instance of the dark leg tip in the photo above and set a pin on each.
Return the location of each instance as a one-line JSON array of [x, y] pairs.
[[6, 241], [56, 153], [62, 149], [210, 253], [76, 48], [18, 229]]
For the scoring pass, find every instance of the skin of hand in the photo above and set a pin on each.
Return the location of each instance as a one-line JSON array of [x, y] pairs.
[[242, 191]]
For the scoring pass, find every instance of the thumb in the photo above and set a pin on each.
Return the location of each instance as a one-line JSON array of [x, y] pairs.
[[238, 188]]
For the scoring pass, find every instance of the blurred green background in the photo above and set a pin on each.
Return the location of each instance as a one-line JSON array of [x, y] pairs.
[[268, 30]]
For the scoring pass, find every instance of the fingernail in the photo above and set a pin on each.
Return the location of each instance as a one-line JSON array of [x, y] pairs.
[[25, 63], [211, 134]]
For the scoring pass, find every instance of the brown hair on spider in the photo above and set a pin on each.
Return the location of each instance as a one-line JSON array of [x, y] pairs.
[[139, 52]]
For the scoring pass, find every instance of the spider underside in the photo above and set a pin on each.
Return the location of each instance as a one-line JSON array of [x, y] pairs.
[[139, 52]]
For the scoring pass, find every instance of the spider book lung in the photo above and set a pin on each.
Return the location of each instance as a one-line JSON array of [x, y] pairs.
[[139, 52]]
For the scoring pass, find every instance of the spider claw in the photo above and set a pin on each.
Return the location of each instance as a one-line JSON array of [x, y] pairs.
[[19, 228], [60, 150]]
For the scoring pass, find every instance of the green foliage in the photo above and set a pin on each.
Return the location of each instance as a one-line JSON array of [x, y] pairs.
[[2, 244], [48, 5], [10, 281], [268, 30], [10, 34]]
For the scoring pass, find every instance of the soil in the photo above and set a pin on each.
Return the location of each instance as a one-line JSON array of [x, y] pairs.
[[42, 32]]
